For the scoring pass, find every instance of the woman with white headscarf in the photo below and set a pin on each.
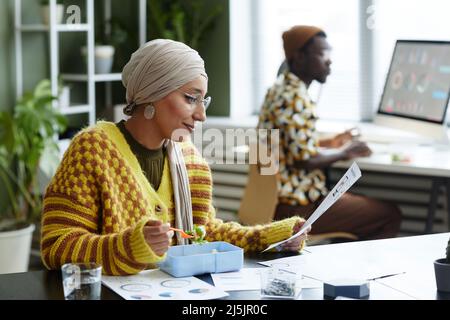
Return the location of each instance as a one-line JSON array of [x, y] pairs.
[[121, 186]]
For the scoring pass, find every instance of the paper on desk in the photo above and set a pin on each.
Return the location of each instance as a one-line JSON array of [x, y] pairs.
[[325, 263], [244, 279], [348, 179], [158, 285]]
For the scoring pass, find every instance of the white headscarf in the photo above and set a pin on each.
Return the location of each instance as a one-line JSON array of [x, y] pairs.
[[159, 67], [156, 69]]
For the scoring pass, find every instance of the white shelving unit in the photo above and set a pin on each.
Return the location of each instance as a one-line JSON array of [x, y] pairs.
[[90, 77], [97, 77]]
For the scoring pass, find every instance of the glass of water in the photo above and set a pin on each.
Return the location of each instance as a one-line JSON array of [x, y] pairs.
[[82, 281]]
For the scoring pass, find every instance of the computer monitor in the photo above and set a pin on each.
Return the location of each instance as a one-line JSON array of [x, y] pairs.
[[417, 89]]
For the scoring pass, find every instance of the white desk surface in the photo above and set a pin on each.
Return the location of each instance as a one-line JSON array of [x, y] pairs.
[[409, 259], [425, 159], [415, 255]]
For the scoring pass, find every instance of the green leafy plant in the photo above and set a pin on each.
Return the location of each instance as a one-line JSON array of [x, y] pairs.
[[117, 36], [24, 135], [199, 233], [184, 21]]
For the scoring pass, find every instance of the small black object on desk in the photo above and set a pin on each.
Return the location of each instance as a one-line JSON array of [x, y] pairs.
[[351, 288]]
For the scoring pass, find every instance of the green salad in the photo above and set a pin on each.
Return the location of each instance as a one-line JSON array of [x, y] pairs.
[[199, 233]]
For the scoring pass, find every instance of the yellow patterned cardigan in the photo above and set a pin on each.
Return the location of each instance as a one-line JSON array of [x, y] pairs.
[[99, 200]]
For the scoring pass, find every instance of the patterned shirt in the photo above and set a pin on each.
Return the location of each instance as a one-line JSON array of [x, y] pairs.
[[288, 107]]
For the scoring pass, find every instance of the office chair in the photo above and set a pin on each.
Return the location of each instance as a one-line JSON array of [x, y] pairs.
[[259, 203]]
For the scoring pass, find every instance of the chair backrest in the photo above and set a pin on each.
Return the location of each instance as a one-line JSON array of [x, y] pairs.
[[260, 201], [260, 198]]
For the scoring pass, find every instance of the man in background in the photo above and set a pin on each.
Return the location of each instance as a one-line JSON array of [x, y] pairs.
[[301, 180]]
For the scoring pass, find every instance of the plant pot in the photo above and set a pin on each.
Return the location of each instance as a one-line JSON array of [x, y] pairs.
[[45, 13], [442, 273], [15, 249], [64, 97], [104, 58]]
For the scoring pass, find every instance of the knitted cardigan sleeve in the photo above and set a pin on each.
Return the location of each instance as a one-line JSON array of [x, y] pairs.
[[250, 238], [74, 214], [253, 238]]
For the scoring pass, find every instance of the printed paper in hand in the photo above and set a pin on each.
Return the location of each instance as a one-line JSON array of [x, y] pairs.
[[348, 179]]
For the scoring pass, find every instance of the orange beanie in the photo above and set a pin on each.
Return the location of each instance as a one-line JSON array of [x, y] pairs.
[[296, 37]]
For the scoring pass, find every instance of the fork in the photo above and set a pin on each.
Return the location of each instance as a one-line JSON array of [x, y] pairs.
[[183, 234]]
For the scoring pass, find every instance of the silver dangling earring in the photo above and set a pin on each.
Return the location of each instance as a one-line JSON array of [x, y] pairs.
[[149, 112]]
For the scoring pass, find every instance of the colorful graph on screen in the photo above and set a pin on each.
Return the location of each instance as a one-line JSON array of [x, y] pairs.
[[418, 83]]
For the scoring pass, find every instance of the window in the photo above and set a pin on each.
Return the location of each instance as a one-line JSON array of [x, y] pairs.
[[361, 32], [339, 98]]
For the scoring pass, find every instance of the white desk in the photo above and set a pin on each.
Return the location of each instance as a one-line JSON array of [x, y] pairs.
[[432, 161], [412, 255], [427, 159]]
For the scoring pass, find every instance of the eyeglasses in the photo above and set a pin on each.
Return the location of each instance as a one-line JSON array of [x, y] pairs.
[[196, 99]]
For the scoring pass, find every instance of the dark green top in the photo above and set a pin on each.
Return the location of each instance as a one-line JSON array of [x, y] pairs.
[[151, 161]]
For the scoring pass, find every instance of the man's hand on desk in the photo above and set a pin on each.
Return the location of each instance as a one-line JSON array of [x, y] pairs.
[[328, 155], [356, 149], [341, 139]]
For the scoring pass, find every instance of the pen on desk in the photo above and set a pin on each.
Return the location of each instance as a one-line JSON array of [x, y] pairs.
[[287, 271], [387, 276]]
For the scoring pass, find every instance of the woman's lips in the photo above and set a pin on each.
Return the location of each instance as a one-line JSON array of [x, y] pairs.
[[189, 127]]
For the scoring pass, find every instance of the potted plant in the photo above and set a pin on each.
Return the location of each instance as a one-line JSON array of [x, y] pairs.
[[26, 134], [63, 94], [442, 272], [106, 43], [184, 21], [45, 11]]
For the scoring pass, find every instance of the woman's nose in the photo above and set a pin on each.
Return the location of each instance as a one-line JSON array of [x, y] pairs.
[[199, 113]]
